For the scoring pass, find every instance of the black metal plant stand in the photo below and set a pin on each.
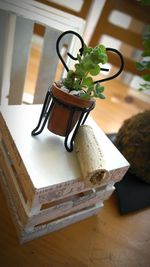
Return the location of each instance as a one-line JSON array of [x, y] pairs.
[[49, 102], [50, 99]]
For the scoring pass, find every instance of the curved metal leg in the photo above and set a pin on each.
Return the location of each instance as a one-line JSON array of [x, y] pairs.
[[81, 121], [70, 135], [69, 148], [47, 106]]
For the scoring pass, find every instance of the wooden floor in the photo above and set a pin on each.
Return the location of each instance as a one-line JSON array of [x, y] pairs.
[[106, 240]]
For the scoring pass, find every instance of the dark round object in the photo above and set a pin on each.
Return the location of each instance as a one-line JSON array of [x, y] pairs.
[[133, 141]]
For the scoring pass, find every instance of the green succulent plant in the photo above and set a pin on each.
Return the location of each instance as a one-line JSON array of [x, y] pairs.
[[80, 79], [144, 64]]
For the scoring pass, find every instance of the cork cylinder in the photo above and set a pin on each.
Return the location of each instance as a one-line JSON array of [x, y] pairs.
[[90, 157]]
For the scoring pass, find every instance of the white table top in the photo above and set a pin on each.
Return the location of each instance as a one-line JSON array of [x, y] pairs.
[[45, 157]]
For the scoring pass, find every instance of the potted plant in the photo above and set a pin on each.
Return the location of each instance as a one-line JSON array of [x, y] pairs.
[[74, 96], [77, 89]]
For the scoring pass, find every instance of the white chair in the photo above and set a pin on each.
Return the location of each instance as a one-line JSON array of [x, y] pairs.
[[18, 19], [42, 182]]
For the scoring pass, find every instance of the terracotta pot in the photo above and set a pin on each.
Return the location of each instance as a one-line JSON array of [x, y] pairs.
[[60, 114]]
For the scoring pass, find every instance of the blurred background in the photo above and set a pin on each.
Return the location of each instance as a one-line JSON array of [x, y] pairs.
[[119, 24]]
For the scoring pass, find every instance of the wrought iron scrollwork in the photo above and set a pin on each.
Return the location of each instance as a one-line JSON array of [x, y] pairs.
[[50, 100]]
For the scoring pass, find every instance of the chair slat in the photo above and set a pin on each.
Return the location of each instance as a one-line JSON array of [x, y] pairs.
[[22, 42], [48, 65], [3, 21]]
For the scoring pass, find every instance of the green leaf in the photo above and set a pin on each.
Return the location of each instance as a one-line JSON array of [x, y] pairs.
[[70, 74], [79, 74], [146, 44], [87, 50], [87, 81], [79, 57], [95, 70], [86, 67], [99, 55], [85, 96], [139, 66], [143, 65], [102, 96], [77, 86], [145, 2], [146, 35], [98, 91], [99, 88], [90, 89], [77, 66], [145, 86], [146, 53], [99, 95], [146, 77]]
